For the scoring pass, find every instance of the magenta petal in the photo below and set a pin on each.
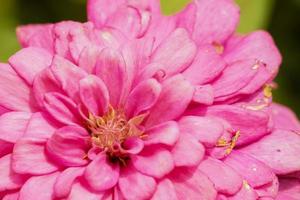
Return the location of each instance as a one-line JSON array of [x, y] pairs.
[[130, 180], [39, 187], [225, 179], [11, 196], [165, 133], [101, 174], [165, 190], [187, 151], [132, 145], [175, 53], [155, 162], [9, 180], [289, 189], [64, 182], [142, 97], [174, 98], [29, 157], [279, 150], [94, 95], [207, 130], [68, 146]]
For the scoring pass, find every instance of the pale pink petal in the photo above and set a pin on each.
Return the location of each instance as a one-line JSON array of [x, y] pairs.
[[130, 180], [64, 182], [29, 157], [39, 187], [165, 190], [252, 125], [225, 179], [102, 175], [28, 62], [255, 172], [94, 95], [246, 192], [13, 125], [279, 150], [68, 146], [289, 189], [37, 36], [268, 190], [142, 97], [68, 75], [206, 130], [204, 94], [111, 68], [187, 151], [80, 191], [175, 53], [9, 180], [14, 90], [62, 108], [206, 66], [154, 161], [88, 58], [11, 196], [166, 133], [174, 98], [191, 183]]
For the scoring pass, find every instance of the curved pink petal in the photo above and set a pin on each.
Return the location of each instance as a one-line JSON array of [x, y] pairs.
[[204, 94], [130, 180], [175, 53], [154, 161], [279, 150], [64, 182], [88, 58], [225, 179], [94, 95], [11, 196], [39, 187], [288, 189], [187, 151], [68, 146], [142, 97], [29, 157], [268, 190], [81, 191], [28, 62], [102, 175], [5, 148], [246, 192], [165, 190], [15, 91], [174, 98], [206, 130]]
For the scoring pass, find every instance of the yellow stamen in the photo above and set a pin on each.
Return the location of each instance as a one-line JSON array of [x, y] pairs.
[[268, 91], [230, 145]]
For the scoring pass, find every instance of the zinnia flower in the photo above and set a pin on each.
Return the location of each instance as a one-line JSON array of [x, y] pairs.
[[136, 105]]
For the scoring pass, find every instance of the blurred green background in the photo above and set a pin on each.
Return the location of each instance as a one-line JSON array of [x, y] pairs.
[[281, 18]]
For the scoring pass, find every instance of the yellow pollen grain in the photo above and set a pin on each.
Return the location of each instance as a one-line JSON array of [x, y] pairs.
[[218, 47], [246, 185], [267, 91], [230, 145]]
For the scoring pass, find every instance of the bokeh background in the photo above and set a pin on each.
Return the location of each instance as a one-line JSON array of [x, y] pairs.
[[280, 18]]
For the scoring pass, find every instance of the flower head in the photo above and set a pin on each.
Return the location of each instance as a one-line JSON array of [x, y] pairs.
[[137, 105]]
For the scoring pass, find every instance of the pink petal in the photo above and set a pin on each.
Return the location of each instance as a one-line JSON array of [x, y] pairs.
[[80, 191], [102, 175], [11, 196], [165, 190], [134, 185], [253, 171], [13, 125], [64, 182], [37, 36], [225, 179], [68, 75], [204, 94], [175, 53], [15, 91], [166, 133], [68, 146], [215, 20], [9, 180], [5, 148], [132, 145], [192, 184], [29, 157], [207, 130], [88, 58], [279, 150], [187, 151], [142, 97], [174, 98], [29, 62], [94, 95], [39, 187], [111, 69], [289, 189], [62, 108], [268, 190], [206, 66], [154, 162], [251, 124], [246, 192]]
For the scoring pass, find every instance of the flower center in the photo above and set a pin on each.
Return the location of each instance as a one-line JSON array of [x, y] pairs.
[[110, 131]]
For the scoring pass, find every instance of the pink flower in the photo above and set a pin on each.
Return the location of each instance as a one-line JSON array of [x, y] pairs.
[[136, 105]]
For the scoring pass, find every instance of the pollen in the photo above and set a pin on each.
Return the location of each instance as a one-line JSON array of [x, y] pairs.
[[228, 144]]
